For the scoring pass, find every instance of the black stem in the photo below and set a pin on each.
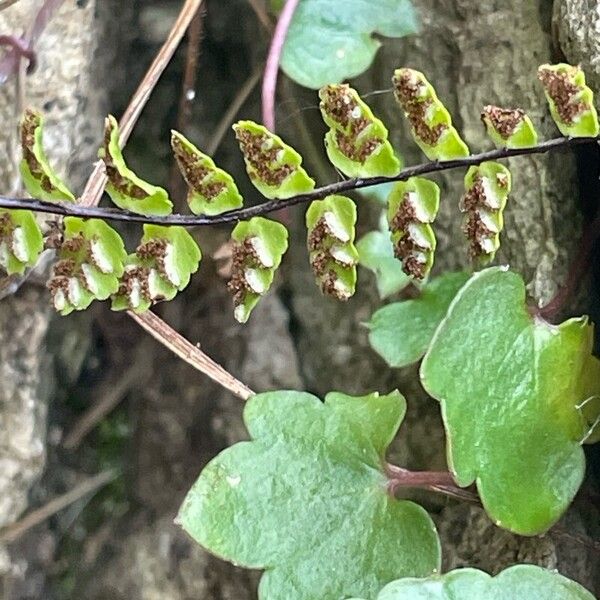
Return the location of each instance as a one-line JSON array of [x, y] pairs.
[[348, 185]]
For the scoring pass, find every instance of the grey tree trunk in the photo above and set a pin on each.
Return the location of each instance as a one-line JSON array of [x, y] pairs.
[[70, 87]]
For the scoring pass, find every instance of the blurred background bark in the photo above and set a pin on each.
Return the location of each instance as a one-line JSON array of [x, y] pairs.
[[170, 420]]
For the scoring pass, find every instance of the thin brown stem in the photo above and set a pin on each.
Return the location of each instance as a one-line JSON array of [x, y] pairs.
[[190, 75], [188, 91], [6, 3], [13, 532], [97, 182], [191, 354], [258, 6], [107, 397], [269, 87], [340, 187], [232, 111]]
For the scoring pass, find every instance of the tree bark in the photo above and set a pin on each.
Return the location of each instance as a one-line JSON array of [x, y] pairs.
[[70, 87]]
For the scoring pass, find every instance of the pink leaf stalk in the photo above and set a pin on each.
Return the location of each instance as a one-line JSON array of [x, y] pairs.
[[269, 86]]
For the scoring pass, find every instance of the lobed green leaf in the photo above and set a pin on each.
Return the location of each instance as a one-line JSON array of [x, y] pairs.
[[376, 253], [430, 122], [161, 266], [330, 227], [90, 262], [509, 127], [401, 332], [258, 246], [307, 499], [487, 188], [39, 178], [521, 582], [357, 142], [273, 167], [507, 379], [571, 101], [124, 187], [212, 190], [326, 44], [412, 207], [21, 240]]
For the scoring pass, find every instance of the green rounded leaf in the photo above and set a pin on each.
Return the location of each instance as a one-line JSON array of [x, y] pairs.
[[357, 142], [39, 178], [412, 207], [212, 190], [430, 122], [330, 225], [90, 262], [328, 42], [273, 167], [124, 187], [401, 332], [487, 187], [21, 240], [509, 127], [571, 101], [258, 246], [162, 265], [376, 253], [307, 499], [521, 582], [509, 381]]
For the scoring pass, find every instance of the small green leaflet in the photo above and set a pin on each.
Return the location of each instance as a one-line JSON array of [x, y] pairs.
[[521, 582], [21, 240], [273, 166], [506, 379], [357, 142], [328, 44], [125, 188], [212, 190], [307, 499], [509, 127], [161, 266], [487, 188], [430, 122], [376, 253], [90, 262], [401, 332], [412, 207], [258, 247], [39, 178], [333, 257], [571, 101]]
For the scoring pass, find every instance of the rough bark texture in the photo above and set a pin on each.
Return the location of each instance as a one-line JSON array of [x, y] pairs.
[[577, 26], [65, 86], [476, 52]]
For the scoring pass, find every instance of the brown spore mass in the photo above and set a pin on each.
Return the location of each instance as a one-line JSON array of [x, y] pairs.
[[120, 183], [562, 91], [263, 162], [406, 92], [31, 121], [504, 120]]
